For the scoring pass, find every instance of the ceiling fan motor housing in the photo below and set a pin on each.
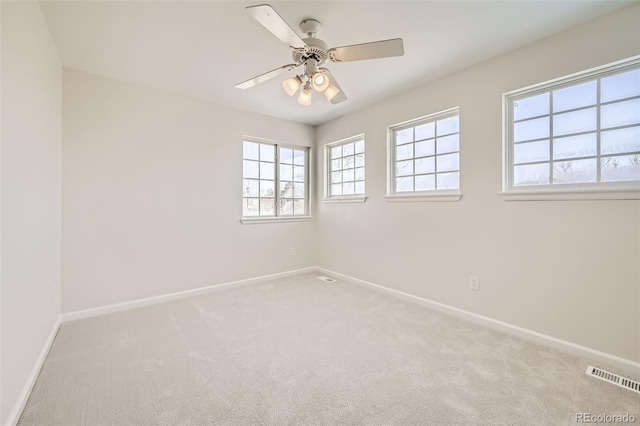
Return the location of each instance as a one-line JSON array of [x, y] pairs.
[[317, 50]]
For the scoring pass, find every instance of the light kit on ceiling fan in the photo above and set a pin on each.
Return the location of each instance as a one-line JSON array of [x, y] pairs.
[[305, 95], [311, 52], [291, 85], [320, 82]]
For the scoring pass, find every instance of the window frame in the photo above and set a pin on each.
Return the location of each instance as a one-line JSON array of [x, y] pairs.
[[427, 195], [277, 217], [567, 191], [350, 198]]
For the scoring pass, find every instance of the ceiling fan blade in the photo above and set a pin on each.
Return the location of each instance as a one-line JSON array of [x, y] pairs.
[[266, 76], [270, 19], [340, 96], [373, 50]]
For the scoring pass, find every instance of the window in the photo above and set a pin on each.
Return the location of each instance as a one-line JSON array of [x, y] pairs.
[[577, 133], [275, 180], [345, 166], [425, 155]]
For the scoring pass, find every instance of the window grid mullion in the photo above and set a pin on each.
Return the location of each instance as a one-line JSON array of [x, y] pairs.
[[341, 158], [275, 180], [587, 157], [551, 137], [626, 126], [536, 117], [566, 111], [598, 149], [441, 136], [259, 181], [276, 183], [586, 132], [413, 157], [510, 148], [435, 159], [394, 164], [341, 181], [542, 139], [615, 101], [618, 154]]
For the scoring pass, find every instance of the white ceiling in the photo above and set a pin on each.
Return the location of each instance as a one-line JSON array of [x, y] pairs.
[[203, 48]]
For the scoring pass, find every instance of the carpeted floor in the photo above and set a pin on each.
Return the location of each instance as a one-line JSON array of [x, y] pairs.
[[299, 351]]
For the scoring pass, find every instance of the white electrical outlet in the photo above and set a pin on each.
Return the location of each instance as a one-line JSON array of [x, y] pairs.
[[474, 282], [292, 251]]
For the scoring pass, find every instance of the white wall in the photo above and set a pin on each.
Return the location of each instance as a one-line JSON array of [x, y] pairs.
[[152, 187], [566, 269], [30, 193]]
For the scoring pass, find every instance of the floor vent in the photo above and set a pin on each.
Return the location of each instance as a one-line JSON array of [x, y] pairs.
[[326, 279], [623, 382]]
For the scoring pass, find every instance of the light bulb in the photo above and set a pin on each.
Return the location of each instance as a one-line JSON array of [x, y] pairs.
[[331, 91], [320, 82], [305, 95], [291, 85]]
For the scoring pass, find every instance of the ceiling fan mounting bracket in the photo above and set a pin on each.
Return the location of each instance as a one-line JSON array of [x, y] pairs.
[[310, 27]]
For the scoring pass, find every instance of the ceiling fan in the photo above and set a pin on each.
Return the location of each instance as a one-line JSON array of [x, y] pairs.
[[312, 53]]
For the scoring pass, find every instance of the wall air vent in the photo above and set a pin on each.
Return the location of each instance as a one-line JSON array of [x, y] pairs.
[[623, 382]]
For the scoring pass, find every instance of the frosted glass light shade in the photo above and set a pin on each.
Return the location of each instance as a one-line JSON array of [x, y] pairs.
[[320, 82], [291, 85], [331, 91], [305, 96]]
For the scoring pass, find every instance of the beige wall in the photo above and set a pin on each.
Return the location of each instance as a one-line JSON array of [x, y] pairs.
[[566, 269], [151, 194], [30, 194]]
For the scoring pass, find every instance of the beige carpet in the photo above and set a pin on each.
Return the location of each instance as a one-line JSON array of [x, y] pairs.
[[298, 351]]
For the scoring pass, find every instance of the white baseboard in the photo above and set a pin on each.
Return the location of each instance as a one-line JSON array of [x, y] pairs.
[[15, 414], [125, 306], [626, 365]]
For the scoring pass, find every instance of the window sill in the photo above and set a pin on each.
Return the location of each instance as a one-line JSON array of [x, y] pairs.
[[442, 196], [355, 199], [258, 219], [566, 195]]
